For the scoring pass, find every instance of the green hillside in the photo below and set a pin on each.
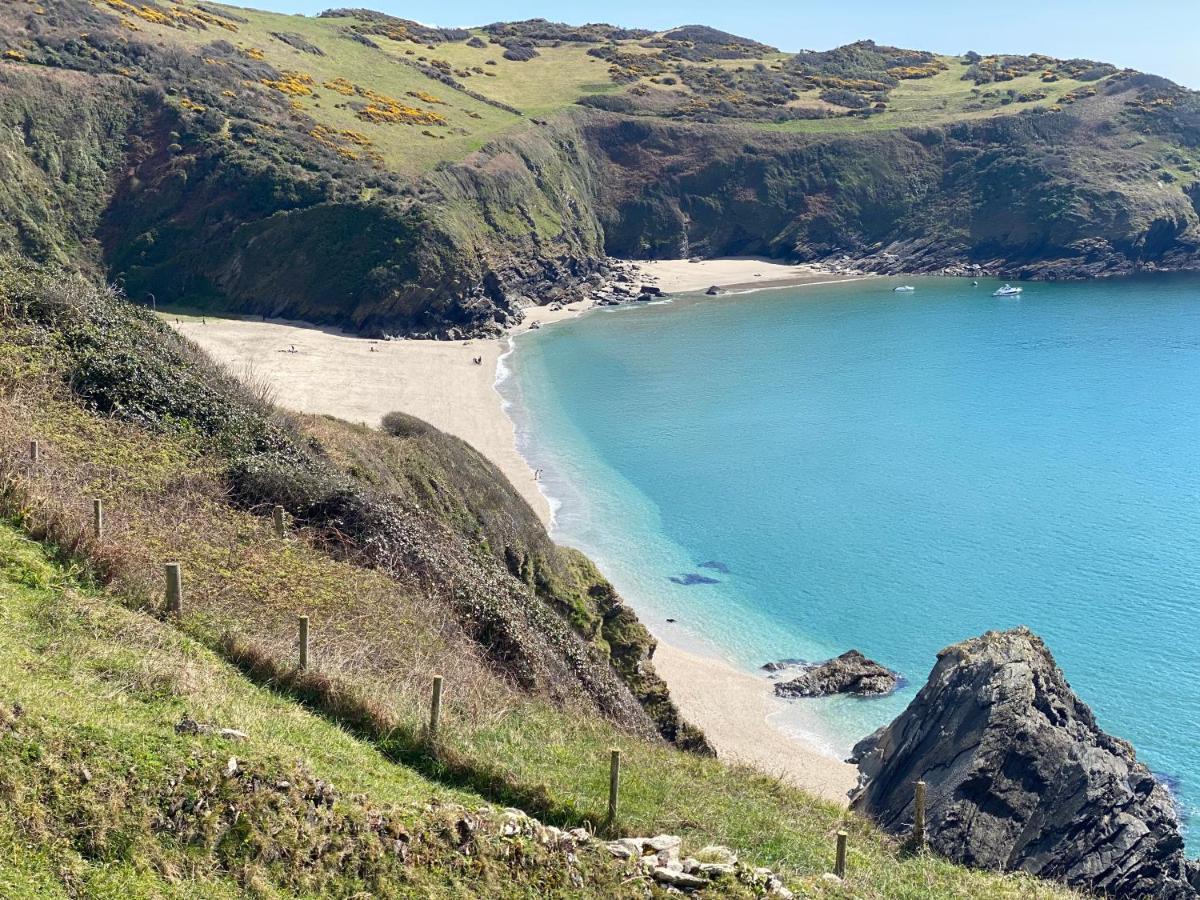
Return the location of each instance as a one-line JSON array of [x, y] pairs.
[[363, 170]]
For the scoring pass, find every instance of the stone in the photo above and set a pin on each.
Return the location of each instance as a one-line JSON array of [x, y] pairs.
[[681, 880], [188, 725], [715, 854], [782, 664], [850, 673], [664, 842], [625, 848], [1020, 777], [652, 290], [713, 291]]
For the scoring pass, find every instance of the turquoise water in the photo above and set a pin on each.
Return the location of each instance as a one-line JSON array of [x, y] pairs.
[[896, 472]]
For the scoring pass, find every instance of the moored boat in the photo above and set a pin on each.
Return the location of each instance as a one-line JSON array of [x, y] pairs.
[[1007, 291]]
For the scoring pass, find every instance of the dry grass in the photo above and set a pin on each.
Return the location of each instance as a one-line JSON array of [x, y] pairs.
[[244, 587]]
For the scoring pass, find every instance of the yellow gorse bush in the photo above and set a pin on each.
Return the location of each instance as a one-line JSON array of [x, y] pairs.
[[297, 84]]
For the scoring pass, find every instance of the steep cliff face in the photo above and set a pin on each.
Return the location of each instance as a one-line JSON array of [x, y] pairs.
[[1034, 195], [1020, 776], [454, 254]]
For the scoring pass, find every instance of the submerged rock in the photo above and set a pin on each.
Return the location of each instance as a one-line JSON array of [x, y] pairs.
[[850, 673], [1019, 776]]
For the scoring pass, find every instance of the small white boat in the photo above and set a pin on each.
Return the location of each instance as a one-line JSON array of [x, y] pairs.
[[1007, 291], [904, 289]]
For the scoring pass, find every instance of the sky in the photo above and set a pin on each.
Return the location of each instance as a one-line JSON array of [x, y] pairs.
[[1159, 36]]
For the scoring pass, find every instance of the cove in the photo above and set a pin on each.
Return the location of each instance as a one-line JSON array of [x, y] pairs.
[[795, 472]]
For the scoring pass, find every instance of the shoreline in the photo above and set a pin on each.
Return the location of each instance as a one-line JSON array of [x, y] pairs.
[[454, 386], [739, 274]]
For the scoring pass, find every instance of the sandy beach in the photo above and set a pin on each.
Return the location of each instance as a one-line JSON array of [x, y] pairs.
[[361, 380], [735, 274]]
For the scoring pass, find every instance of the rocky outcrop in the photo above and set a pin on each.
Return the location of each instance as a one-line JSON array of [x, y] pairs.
[[1020, 776], [909, 200], [660, 859], [850, 673]]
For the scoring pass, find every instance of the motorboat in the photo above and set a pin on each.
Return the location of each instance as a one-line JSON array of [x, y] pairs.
[[1007, 291], [904, 289]]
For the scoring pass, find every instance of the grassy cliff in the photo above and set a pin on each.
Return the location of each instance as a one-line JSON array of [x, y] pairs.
[[409, 558], [363, 170]]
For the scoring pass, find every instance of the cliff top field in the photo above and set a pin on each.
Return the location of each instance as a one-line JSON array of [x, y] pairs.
[[407, 97]]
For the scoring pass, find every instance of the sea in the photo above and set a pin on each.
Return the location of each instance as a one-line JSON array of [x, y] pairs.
[[794, 472]]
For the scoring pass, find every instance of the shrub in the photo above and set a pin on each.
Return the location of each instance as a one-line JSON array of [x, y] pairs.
[[848, 99], [402, 425]]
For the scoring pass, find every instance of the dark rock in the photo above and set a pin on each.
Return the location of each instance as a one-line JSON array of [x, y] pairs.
[[652, 290], [713, 291], [1020, 776], [850, 673], [477, 43], [643, 298], [690, 578], [780, 665]]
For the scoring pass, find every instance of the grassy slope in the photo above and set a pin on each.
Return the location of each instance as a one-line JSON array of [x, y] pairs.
[[404, 147], [938, 100], [102, 798], [554, 80], [375, 644]]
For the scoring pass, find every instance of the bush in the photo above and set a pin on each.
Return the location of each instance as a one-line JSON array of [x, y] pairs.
[[848, 99], [402, 425]]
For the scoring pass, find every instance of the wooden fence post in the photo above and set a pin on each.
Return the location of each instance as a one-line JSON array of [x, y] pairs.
[[97, 518], [303, 643], [174, 588], [435, 706], [839, 862], [614, 783], [277, 515], [919, 816], [35, 452]]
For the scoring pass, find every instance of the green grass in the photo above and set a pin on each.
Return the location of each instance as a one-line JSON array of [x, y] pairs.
[[554, 79], [937, 100], [403, 147], [100, 689]]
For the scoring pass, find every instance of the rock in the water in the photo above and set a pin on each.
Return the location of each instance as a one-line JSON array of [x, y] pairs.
[[781, 665], [713, 291], [850, 673], [1019, 776]]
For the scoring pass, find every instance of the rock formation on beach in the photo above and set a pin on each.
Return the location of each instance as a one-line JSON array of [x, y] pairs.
[[1020, 776], [850, 673]]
